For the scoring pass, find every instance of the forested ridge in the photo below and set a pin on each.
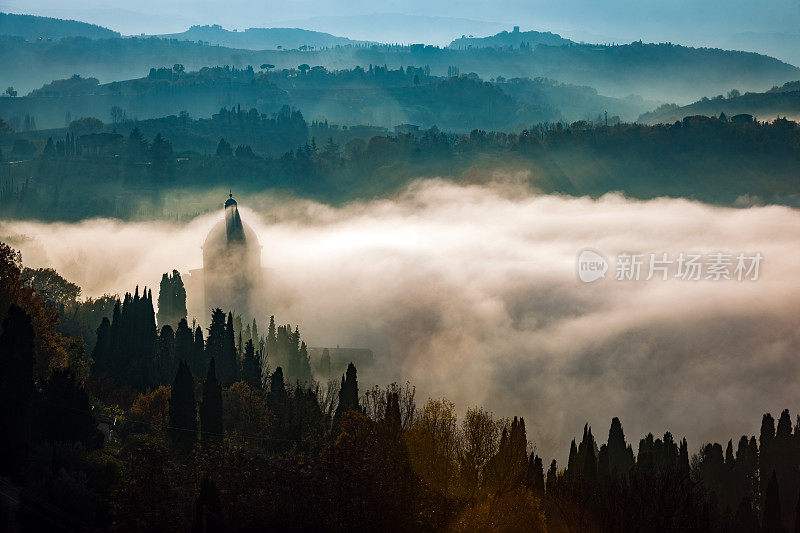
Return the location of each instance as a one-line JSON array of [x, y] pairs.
[[662, 71], [128, 170], [372, 94], [161, 426]]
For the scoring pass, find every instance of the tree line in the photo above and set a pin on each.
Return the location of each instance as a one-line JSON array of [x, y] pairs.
[[218, 438]]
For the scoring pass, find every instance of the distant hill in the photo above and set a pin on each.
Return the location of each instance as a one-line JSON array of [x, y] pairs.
[[783, 101], [376, 96], [398, 27], [32, 28], [513, 39], [784, 46], [262, 38], [662, 72]]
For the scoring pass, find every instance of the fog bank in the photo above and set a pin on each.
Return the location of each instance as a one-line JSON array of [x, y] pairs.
[[471, 292]]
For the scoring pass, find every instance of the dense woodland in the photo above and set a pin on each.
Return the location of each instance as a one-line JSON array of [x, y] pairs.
[[159, 426], [783, 101], [655, 71], [90, 170], [374, 95]]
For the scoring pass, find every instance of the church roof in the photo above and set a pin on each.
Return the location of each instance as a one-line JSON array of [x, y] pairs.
[[231, 229]]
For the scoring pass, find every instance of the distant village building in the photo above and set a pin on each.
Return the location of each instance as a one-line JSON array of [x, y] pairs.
[[339, 358], [406, 129], [743, 118]]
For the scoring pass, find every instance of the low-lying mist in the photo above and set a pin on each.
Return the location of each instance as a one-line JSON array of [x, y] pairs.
[[471, 293]]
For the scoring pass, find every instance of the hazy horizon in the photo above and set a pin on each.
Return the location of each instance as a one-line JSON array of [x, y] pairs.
[[651, 21]]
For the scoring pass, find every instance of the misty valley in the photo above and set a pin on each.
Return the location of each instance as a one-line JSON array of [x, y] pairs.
[[418, 271]]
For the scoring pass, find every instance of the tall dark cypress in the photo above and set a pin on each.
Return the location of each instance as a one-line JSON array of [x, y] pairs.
[[17, 389], [228, 366], [184, 344], [207, 508], [251, 366], [182, 408], [139, 340], [534, 475], [325, 364], [746, 518], [211, 408], [278, 405], [101, 355], [603, 468], [348, 393], [271, 339], [619, 461], [171, 299], [587, 461], [771, 518], [304, 365], [66, 412], [797, 515], [199, 358], [166, 362], [216, 337], [572, 460], [552, 477]]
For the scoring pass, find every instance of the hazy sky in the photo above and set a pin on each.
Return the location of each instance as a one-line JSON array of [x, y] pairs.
[[471, 292], [624, 20]]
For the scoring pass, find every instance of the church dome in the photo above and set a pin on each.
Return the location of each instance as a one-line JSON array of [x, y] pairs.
[[218, 236], [232, 273], [230, 230]]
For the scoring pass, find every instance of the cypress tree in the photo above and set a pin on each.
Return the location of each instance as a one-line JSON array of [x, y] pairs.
[[224, 149], [182, 408], [587, 461], [171, 299], [771, 519], [228, 365], [534, 475], [101, 354], [619, 462], [17, 389], [278, 404], [184, 345], [572, 460], [216, 337], [348, 393], [552, 478], [683, 458], [199, 357], [251, 366], [603, 468], [271, 340], [746, 518], [207, 508], [211, 408], [392, 416], [325, 364], [797, 515], [67, 412], [166, 363], [299, 365]]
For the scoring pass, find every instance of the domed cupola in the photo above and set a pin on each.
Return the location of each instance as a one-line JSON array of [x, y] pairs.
[[234, 230]]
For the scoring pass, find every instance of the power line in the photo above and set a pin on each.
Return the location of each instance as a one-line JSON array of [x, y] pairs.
[[52, 508]]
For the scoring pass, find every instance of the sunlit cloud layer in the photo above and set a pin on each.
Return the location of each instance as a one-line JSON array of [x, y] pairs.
[[471, 292]]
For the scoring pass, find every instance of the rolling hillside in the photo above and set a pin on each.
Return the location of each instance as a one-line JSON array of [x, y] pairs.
[[33, 28]]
